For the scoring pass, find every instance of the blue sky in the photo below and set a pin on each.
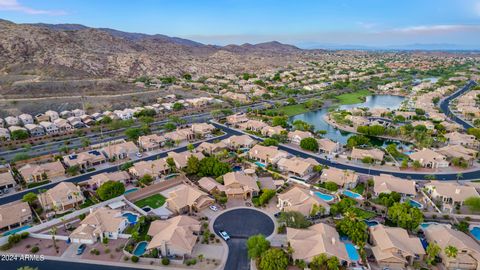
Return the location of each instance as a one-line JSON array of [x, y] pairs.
[[301, 22]]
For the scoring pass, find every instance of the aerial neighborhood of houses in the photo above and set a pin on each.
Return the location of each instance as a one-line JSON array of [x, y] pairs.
[[385, 186]]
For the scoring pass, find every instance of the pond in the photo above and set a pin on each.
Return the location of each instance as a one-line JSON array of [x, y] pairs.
[[315, 118]]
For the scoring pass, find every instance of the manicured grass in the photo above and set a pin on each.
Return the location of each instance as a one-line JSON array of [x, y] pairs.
[[352, 98], [363, 214], [154, 201], [476, 181], [291, 110], [88, 202]]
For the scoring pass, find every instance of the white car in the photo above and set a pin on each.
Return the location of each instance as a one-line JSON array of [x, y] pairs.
[[213, 208], [224, 235], [138, 154]]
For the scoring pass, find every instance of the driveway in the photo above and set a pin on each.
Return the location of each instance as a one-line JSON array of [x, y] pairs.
[[241, 224]]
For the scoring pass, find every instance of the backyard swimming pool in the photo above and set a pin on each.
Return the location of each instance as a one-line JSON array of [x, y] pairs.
[[352, 252], [130, 190], [323, 196], [352, 194], [16, 230], [371, 223], [259, 164], [140, 248], [132, 218], [236, 168], [415, 204], [475, 231]]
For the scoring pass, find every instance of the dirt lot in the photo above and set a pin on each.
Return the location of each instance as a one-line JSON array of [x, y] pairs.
[[45, 245], [109, 252]]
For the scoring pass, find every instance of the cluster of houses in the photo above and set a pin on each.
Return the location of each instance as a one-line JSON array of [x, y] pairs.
[[52, 122]]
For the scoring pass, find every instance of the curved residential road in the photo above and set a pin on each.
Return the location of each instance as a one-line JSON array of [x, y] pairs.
[[445, 104], [241, 223], [469, 175]]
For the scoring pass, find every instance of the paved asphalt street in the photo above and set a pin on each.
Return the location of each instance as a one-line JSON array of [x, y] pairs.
[[444, 104], [241, 224], [58, 265]]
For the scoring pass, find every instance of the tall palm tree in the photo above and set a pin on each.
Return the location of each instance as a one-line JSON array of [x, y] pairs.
[[53, 232], [451, 251]]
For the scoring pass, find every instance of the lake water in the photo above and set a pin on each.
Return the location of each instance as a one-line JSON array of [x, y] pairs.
[[315, 118]]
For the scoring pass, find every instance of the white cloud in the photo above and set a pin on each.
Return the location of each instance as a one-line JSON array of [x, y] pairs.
[[14, 5], [440, 28]]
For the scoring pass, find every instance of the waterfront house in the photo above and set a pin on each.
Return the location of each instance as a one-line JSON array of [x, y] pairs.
[[297, 136], [359, 154], [429, 158]]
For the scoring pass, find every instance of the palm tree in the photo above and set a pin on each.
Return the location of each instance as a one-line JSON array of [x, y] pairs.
[[53, 232], [459, 175], [451, 251]]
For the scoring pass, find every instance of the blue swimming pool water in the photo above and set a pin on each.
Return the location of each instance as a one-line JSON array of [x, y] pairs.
[[352, 252], [475, 231], [415, 204], [259, 164], [16, 230], [171, 176], [325, 197], [140, 248], [132, 218], [130, 190], [371, 223], [352, 194], [237, 168]]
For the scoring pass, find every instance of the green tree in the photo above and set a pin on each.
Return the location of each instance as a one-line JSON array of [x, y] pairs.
[[19, 134], [270, 142], [146, 179], [110, 189], [171, 164], [193, 165], [29, 198], [280, 121], [354, 228], [451, 251], [309, 144], [134, 133], [169, 126], [211, 166], [357, 140], [266, 195], [177, 106], [332, 186], [473, 203], [274, 259], [257, 245], [405, 216], [190, 147], [85, 142], [432, 252], [73, 170], [416, 164], [294, 219]]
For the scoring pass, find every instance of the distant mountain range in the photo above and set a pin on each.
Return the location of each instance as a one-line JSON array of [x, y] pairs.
[[405, 47]]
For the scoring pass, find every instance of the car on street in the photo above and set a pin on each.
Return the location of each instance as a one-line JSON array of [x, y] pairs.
[[213, 208], [81, 249], [138, 155], [224, 235]]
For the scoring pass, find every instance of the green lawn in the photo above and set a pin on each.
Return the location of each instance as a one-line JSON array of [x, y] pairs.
[[363, 214], [352, 98], [154, 201], [291, 110]]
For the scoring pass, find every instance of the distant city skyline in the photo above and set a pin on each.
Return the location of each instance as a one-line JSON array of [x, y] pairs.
[[304, 23]]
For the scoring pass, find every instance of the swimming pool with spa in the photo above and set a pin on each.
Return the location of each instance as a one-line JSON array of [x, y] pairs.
[[130, 191], [352, 194], [131, 217], [325, 197]]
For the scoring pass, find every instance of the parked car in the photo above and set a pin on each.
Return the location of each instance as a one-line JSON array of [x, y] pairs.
[[81, 249], [213, 208], [138, 154], [224, 235]]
